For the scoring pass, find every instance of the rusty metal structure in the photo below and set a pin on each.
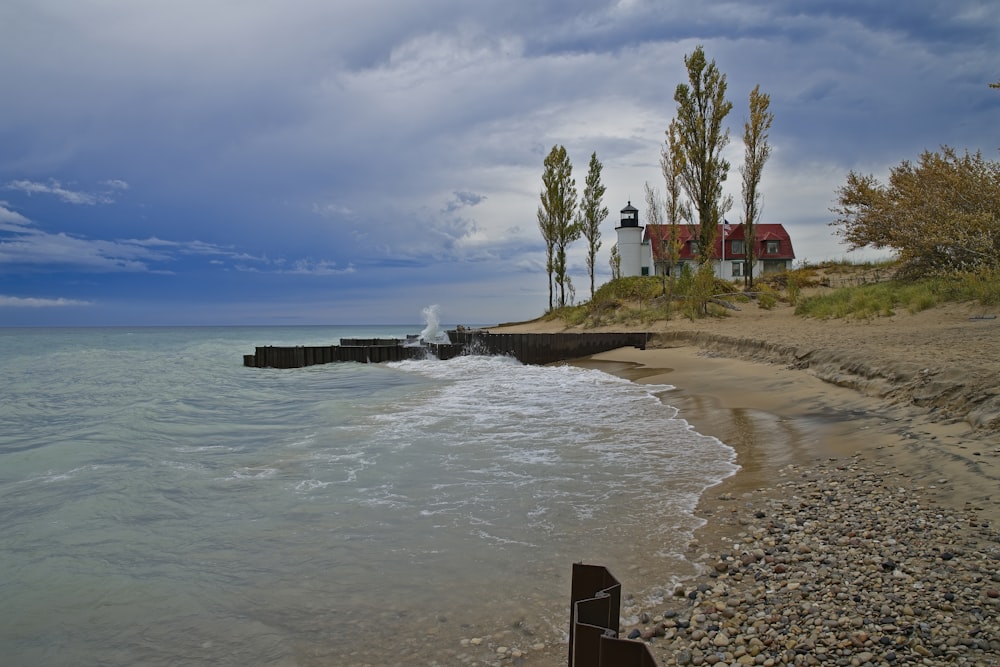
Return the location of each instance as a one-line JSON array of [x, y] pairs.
[[595, 607]]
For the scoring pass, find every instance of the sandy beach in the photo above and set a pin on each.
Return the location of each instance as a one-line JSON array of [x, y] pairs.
[[920, 391], [906, 406]]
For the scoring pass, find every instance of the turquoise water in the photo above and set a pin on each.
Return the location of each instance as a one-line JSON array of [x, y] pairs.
[[160, 504]]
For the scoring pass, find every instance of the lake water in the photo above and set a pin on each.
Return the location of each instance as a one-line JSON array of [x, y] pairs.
[[160, 504]]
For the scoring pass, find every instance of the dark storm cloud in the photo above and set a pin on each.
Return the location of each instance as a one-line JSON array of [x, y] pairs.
[[342, 145]]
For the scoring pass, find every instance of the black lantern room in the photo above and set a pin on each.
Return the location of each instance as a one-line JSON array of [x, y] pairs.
[[630, 216]]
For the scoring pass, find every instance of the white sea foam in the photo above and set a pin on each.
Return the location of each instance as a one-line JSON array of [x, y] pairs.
[[253, 473], [53, 476], [432, 332], [197, 449], [311, 485]]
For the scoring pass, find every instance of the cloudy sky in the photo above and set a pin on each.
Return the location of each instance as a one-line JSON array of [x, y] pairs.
[[331, 162]]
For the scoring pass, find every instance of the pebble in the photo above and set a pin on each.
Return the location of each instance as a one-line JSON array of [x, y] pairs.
[[839, 564]]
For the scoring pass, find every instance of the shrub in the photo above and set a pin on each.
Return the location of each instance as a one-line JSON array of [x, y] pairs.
[[767, 300], [703, 286], [792, 289]]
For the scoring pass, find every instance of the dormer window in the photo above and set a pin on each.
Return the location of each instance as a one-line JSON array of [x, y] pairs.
[[772, 247], [737, 247]]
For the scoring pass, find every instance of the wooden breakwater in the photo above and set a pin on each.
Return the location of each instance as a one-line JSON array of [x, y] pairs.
[[544, 348], [528, 348], [359, 350]]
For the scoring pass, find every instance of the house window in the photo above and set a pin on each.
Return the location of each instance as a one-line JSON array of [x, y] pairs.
[[737, 247], [772, 247], [694, 247], [645, 270], [737, 269]]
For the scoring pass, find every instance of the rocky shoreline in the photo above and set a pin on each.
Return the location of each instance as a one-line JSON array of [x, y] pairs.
[[843, 562]]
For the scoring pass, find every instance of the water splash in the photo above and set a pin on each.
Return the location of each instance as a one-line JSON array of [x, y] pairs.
[[433, 333]]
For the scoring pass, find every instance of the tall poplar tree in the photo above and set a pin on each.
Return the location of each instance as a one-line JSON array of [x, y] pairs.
[[657, 232], [547, 227], [615, 262], [592, 214], [556, 217], [701, 110], [675, 208], [756, 152]]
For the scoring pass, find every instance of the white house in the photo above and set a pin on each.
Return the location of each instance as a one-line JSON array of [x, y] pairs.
[[645, 251]]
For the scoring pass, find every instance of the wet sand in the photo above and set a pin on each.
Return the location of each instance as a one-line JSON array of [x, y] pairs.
[[774, 417]]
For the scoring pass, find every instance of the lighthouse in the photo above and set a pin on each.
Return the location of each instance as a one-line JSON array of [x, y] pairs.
[[630, 241]]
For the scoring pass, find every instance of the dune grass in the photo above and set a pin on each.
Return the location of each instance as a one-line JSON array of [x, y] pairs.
[[867, 294], [886, 298]]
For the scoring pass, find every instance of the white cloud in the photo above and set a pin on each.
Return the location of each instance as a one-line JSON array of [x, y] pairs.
[[30, 302], [300, 267], [62, 251], [52, 188], [13, 219], [22, 244], [55, 188], [308, 267]]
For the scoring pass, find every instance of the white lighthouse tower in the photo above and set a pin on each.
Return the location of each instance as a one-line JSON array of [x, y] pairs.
[[630, 241]]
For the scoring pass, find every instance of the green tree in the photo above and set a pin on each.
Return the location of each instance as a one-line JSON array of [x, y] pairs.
[[615, 260], [941, 215], [592, 214], [702, 286], [656, 230], [546, 224], [676, 208], [556, 217], [755, 155], [701, 110]]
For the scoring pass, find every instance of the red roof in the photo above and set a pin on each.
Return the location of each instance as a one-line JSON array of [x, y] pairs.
[[688, 233]]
